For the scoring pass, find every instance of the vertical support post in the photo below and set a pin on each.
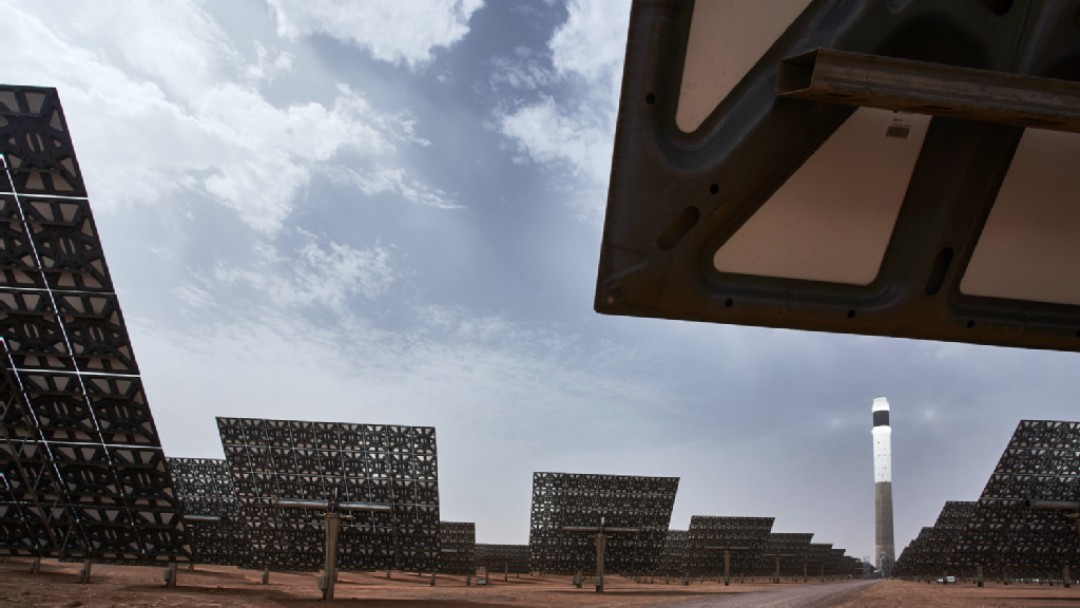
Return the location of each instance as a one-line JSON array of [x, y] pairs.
[[506, 572], [170, 575], [433, 579], [776, 571], [601, 542], [805, 576], [35, 566], [84, 574], [191, 566], [823, 572], [1065, 578], [979, 575], [333, 527], [727, 567], [265, 580]]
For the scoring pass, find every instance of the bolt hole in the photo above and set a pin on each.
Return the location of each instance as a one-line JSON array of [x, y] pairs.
[[728, 303], [713, 189], [970, 323], [650, 99], [851, 314]]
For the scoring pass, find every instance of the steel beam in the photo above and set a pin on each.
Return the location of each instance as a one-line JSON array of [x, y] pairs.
[[856, 79]]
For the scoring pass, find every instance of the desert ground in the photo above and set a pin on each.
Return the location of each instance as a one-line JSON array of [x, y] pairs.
[[215, 586]]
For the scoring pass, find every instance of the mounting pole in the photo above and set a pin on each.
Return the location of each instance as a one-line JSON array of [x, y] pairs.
[[84, 574], [601, 542], [35, 566], [170, 575], [727, 567], [333, 528]]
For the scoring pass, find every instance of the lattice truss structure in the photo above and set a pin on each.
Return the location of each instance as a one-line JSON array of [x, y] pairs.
[[204, 487], [672, 561], [928, 554], [711, 536], [457, 541], [82, 472], [381, 464], [567, 499], [511, 559], [791, 549], [1042, 462]]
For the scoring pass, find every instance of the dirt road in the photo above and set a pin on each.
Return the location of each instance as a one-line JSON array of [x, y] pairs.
[[817, 596]]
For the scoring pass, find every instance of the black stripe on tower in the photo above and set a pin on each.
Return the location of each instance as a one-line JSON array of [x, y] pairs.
[[881, 418]]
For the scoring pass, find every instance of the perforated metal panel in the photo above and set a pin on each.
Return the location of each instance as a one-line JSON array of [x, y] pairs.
[[929, 553], [791, 548], [204, 487], [816, 557], [82, 472], [1042, 462], [512, 559], [385, 464], [672, 562], [711, 536], [568, 499], [457, 540]]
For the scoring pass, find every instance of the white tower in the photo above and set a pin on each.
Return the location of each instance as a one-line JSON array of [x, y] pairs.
[[884, 549]]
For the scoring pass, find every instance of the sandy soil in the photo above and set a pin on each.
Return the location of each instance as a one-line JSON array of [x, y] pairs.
[[212, 586]]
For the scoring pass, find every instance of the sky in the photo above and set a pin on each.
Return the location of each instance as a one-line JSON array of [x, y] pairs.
[[390, 212]]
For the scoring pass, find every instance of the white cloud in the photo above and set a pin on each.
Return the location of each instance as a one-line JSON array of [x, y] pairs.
[[592, 42], [312, 276], [393, 180], [573, 132], [523, 71], [391, 30], [578, 140], [268, 64], [172, 106]]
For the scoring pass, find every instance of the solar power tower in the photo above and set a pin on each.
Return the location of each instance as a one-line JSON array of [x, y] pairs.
[[785, 554], [457, 540], [717, 546], [1004, 536], [335, 465], [930, 556], [503, 558], [208, 499], [568, 500], [82, 472], [885, 168]]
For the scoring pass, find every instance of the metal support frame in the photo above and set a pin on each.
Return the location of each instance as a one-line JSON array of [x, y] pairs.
[[334, 513], [601, 543], [856, 79], [170, 575]]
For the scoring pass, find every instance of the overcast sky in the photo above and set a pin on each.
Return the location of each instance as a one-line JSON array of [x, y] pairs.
[[390, 212]]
